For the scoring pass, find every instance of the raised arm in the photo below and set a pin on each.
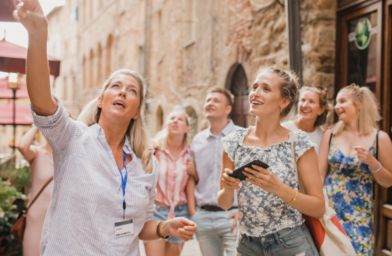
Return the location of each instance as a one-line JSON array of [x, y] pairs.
[[323, 154], [24, 146], [30, 14]]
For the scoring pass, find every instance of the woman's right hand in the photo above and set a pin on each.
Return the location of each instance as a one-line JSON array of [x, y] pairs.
[[228, 182], [30, 14]]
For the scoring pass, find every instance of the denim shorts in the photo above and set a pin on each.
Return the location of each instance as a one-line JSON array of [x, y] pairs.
[[295, 241], [161, 213]]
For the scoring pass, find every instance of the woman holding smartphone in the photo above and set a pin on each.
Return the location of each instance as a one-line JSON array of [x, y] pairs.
[[104, 172], [270, 206]]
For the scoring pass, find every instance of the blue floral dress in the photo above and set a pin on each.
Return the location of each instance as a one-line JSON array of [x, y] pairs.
[[350, 191]]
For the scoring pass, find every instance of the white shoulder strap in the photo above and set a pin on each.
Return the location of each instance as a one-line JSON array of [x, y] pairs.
[[292, 139]]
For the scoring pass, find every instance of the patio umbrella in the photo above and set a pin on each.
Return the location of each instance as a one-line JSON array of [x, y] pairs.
[[6, 93], [22, 114], [13, 59]]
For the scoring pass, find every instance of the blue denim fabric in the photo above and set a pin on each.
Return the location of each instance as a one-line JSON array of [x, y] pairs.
[[213, 232], [295, 241], [161, 213]]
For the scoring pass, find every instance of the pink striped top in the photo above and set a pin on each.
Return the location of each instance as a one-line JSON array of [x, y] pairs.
[[172, 179]]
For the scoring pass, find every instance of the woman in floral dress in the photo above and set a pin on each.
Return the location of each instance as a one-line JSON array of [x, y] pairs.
[[350, 150]]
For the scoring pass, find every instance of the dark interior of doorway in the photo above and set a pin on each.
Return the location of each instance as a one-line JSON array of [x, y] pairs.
[[239, 88]]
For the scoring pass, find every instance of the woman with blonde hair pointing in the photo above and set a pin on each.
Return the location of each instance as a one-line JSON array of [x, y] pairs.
[[357, 153], [104, 171]]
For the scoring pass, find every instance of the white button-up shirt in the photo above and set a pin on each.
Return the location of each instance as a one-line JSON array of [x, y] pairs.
[[206, 153], [87, 194]]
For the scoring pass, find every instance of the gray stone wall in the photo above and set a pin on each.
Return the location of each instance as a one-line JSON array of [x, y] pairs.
[[183, 64]]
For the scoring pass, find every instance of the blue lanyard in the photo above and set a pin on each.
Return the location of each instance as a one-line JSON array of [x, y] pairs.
[[123, 183]]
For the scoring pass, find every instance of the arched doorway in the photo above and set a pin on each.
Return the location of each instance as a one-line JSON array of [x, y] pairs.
[[238, 85]]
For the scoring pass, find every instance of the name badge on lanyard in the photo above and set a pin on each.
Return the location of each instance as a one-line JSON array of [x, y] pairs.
[[123, 228]]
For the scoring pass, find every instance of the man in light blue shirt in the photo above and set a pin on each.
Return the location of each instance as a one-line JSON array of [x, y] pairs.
[[216, 228]]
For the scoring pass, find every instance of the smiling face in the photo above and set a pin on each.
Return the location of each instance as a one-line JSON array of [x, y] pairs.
[[265, 96], [121, 100], [177, 123], [309, 105], [345, 108], [216, 106]]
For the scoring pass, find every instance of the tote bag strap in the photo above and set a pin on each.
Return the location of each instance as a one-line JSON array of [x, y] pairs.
[[39, 193], [292, 139]]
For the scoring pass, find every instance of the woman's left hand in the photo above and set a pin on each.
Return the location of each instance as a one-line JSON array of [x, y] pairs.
[[364, 155], [263, 179], [182, 228]]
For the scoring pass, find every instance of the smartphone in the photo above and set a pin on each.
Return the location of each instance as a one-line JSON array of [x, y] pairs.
[[238, 173]]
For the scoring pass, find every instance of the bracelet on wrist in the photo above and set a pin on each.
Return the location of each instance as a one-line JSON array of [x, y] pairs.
[[159, 234], [295, 197], [379, 168]]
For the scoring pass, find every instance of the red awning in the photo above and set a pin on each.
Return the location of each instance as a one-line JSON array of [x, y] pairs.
[[6, 93], [6, 9], [22, 114], [13, 59]]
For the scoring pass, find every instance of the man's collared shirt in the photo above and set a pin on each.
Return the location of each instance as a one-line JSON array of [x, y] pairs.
[[206, 153]]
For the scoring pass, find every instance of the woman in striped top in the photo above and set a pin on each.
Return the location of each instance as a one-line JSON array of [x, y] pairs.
[[172, 153], [104, 172]]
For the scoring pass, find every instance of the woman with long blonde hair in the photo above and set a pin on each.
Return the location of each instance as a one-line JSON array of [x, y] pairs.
[[357, 153], [313, 109], [104, 172], [172, 153]]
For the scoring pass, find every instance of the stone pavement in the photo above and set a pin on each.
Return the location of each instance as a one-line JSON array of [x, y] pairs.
[[191, 248]]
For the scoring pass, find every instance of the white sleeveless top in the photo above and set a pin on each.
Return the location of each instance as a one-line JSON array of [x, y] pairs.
[[314, 136]]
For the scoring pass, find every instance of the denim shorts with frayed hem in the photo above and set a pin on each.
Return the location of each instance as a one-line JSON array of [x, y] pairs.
[[161, 213], [296, 241]]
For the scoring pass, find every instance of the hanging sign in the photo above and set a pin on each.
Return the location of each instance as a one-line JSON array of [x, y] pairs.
[[362, 34]]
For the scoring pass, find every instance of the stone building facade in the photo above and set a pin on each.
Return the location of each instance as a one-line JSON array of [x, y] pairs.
[[184, 47]]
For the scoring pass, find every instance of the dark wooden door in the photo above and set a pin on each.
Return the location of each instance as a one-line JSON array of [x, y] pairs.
[[239, 87], [361, 59], [384, 243]]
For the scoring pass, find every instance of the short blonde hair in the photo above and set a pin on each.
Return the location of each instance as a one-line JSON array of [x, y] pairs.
[[369, 113], [160, 139], [137, 132], [229, 96]]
